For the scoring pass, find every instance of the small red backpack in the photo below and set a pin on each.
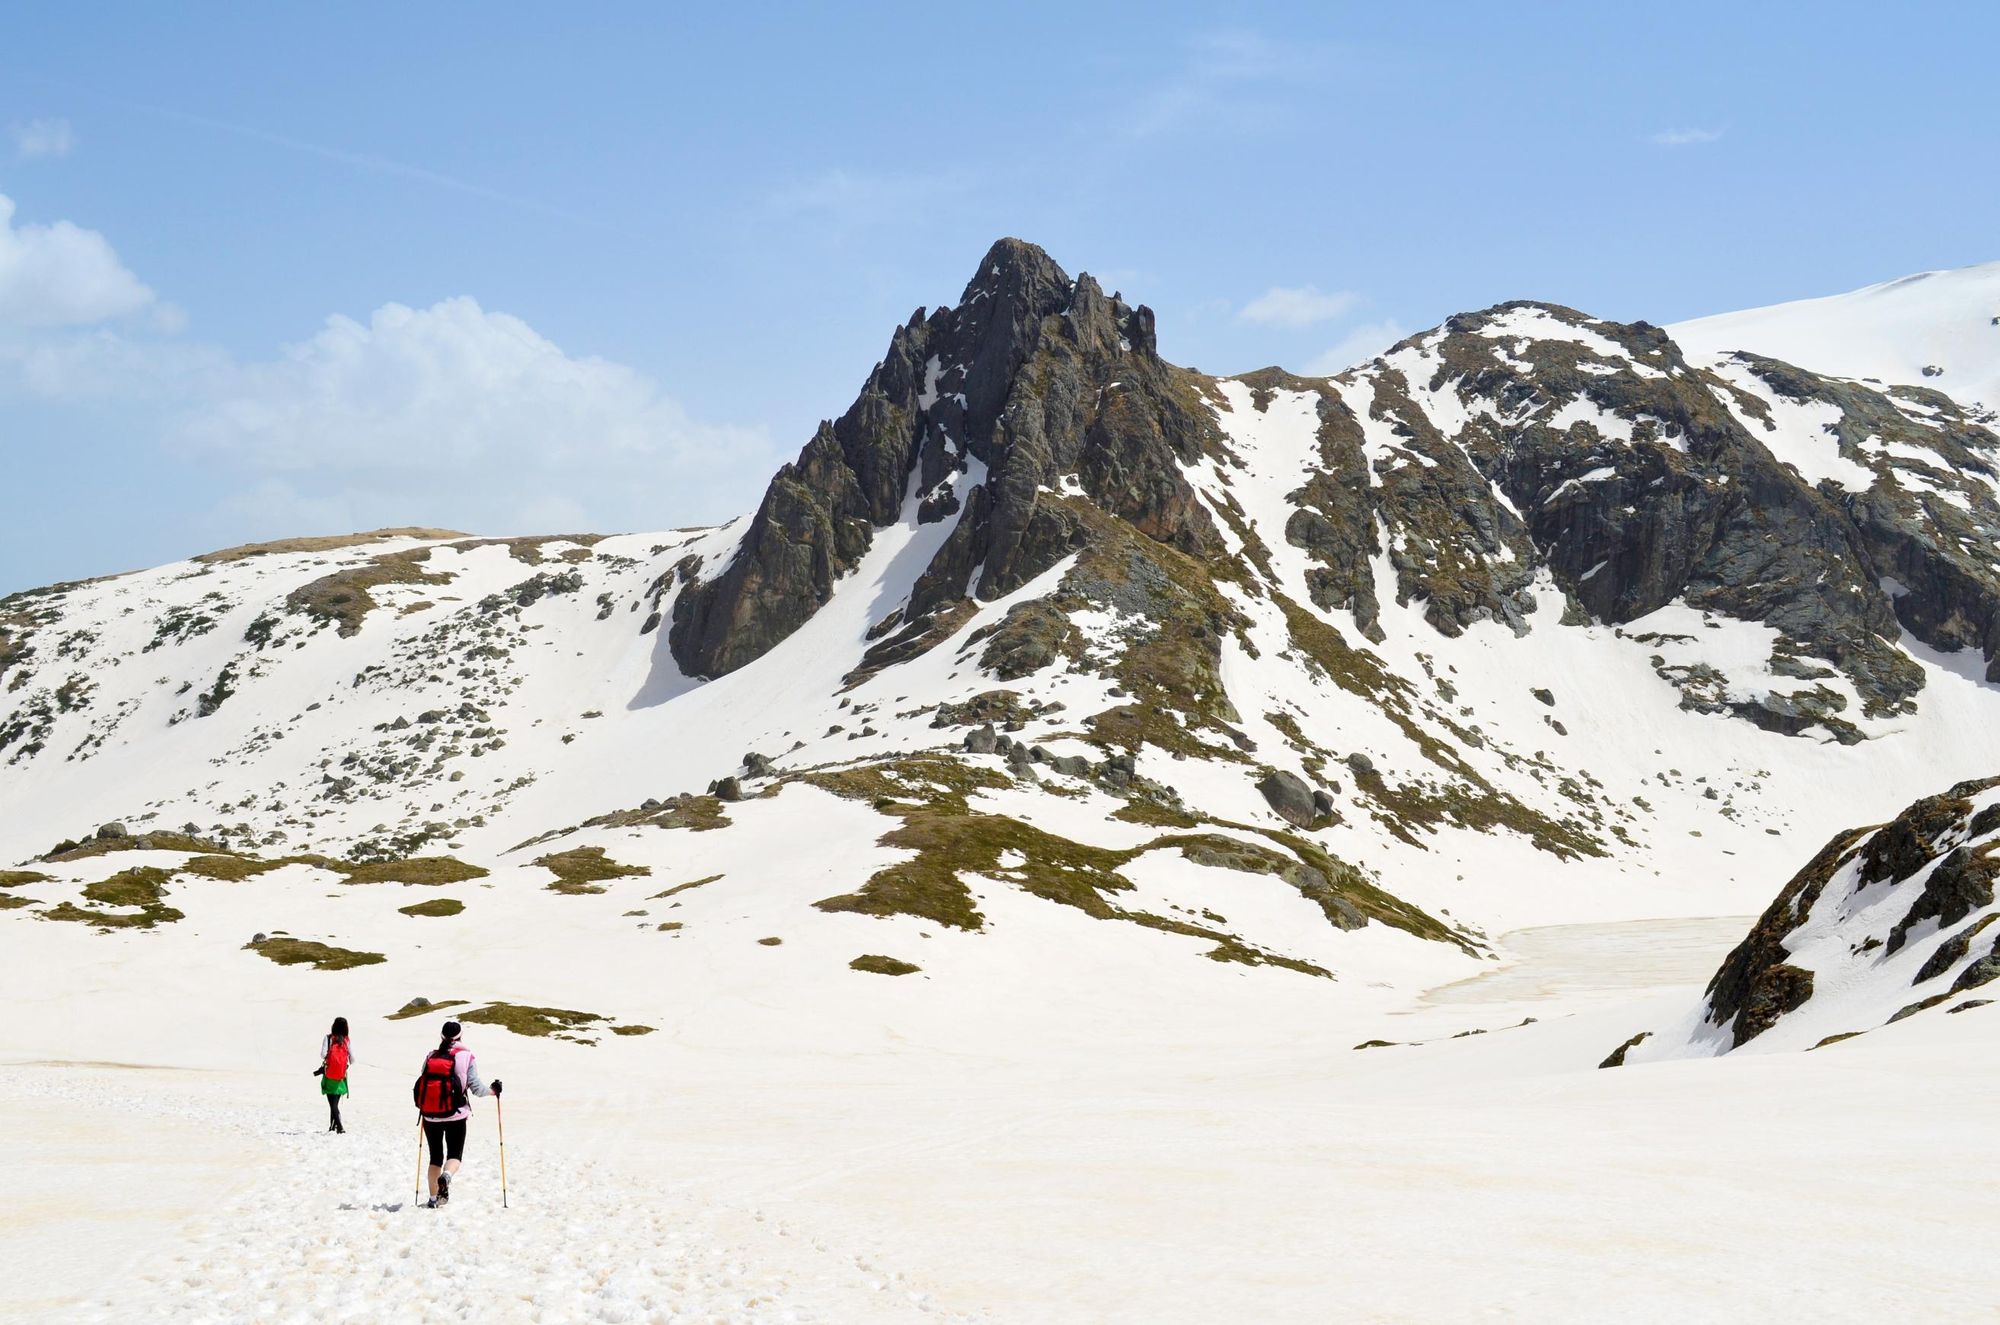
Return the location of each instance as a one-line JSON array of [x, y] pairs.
[[337, 1058]]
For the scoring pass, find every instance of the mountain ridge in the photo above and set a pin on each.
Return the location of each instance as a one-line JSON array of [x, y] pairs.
[[1528, 608]]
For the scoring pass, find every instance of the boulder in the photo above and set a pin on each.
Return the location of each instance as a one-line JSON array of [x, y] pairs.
[[1075, 766], [756, 765], [982, 740], [1322, 801], [110, 831], [1290, 798], [726, 789]]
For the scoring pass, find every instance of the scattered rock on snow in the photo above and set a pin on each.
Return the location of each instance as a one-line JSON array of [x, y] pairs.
[[1290, 798]]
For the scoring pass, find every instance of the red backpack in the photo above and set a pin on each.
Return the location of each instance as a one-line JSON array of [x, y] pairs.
[[439, 1092], [337, 1059]]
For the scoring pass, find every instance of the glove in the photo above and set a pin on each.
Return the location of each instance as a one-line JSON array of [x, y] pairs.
[[496, 1087]]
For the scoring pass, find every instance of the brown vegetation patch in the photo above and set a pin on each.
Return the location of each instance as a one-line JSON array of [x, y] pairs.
[[584, 869]]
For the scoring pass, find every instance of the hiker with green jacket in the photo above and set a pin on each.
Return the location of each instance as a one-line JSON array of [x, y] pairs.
[[336, 1055]]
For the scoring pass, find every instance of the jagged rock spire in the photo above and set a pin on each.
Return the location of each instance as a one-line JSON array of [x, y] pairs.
[[1034, 375]]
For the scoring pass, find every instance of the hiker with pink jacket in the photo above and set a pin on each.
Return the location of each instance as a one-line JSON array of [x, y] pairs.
[[444, 1099]]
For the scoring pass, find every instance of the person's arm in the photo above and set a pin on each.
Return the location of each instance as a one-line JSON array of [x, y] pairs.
[[325, 1043], [474, 1083]]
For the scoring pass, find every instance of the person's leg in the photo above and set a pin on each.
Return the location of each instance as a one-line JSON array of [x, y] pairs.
[[434, 1138], [333, 1113], [455, 1139]]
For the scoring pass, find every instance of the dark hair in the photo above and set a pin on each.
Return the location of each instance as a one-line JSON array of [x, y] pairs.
[[339, 1031]]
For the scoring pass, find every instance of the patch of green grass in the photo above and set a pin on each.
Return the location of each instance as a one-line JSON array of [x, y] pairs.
[[880, 965], [427, 871], [770, 942], [142, 888], [320, 956], [683, 887], [20, 878], [10, 903], [1139, 810], [583, 870], [559, 1023], [104, 846], [406, 1012], [343, 598], [439, 906], [232, 869], [951, 840], [632, 1030], [697, 814]]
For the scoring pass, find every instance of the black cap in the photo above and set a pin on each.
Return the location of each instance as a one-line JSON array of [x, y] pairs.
[[451, 1030]]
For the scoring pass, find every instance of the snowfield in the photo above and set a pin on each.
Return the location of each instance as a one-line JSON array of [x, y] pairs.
[[1226, 1155]]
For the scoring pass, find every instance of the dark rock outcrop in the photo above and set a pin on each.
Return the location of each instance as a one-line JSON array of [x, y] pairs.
[[1045, 383]]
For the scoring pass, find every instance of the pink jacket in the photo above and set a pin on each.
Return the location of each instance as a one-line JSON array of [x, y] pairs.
[[467, 1068]]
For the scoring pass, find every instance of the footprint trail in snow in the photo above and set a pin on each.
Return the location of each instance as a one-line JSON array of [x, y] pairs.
[[330, 1233]]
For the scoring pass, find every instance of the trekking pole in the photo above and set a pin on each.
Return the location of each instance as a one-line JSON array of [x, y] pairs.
[[420, 1161], [500, 1118]]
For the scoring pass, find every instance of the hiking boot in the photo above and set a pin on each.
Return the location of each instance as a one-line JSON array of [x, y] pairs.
[[431, 1204], [444, 1188]]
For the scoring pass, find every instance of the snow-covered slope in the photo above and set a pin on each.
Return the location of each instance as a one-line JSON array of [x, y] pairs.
[[1937, 329], [1529, 619]]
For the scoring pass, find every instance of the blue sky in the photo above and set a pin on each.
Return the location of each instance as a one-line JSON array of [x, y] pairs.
[[278, 271]]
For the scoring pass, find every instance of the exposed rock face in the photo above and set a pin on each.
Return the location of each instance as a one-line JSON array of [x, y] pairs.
[[1033, 387], [1932, 935], [1524, 441]]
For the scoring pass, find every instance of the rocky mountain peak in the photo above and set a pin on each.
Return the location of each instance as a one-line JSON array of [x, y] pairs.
[[1033, 390]]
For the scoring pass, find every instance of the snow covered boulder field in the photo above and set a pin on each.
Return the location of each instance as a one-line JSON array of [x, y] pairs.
[[1099, 842]]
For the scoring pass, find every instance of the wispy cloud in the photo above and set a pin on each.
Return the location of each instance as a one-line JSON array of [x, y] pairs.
[[1684, 137], [1297, 306], [364, 161], [851, 198], [1359, 345], [1222, 81], [41, 137]]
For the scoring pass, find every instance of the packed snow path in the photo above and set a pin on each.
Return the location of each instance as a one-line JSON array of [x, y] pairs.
[[326, 1230]]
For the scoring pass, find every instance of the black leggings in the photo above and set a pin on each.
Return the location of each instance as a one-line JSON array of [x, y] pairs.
[[333, 1109], [447, 1140]]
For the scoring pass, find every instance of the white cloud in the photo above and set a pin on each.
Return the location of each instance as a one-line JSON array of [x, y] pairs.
[[1302, 306], [460, 416], [61, 275], [1684, 137], [42, 137], [1359, 345]]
